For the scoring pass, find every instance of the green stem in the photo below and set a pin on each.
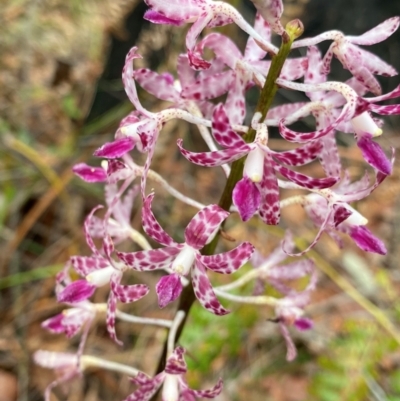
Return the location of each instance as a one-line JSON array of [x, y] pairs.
[[293, 31]]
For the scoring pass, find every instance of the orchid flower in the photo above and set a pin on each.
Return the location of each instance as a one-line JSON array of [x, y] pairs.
[[71, 320], [361, 63], [355, 111], [246, 67], [97, 271], [186, 258], [329, 209], [258, 189], [204, 13], [175, 387]]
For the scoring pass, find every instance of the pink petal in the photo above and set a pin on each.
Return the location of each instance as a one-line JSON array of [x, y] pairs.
[[168, 289], [246, 197], [86, 229], [89, 173], [271, 11], [253, 51], [77, 291], [157, 18], [147, 387], [374, 155], [303, 324], [195, 58], [156, 84], [228, 262], [291, 352], [54, 324], [222, 131], [304, 180], [178, 10], [176, 364], [269, 189], [129, 82], [366, 241], [204, 292], [209, 393], [223, 47], [203, 225], [153, 259], [236, 102], [127, 293], [186, 74], [216, 158], [340, 214], [209, 87], [84, 265], [376, 34], [116, 148], [300, 156], [110, 318], [151, 225]]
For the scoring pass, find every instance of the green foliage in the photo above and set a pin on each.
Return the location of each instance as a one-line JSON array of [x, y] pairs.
[[352, 358], [208, 337]]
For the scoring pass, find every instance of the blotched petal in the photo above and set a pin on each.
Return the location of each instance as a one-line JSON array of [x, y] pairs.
[[216, 158], [147, 387], [84, 265], [152, 227], [204, 225], [222, 131], [228, 262], [204, 292], [153, 259], [127, 293], [269, 189]]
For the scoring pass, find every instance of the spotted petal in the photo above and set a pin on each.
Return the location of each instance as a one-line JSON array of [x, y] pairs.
[[157, 84], [152, 227], [84, 265], [147, 387], [269, 190], [204, 292], [304, 180], [153, 259], [216, 158], [209, 393], [110, 318], [228, 262], [300, 156], [222, 131], [203, 225], [127, 293]]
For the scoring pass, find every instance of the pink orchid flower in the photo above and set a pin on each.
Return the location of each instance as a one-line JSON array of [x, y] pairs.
[[175, 387], [204, 13], [258, 189], [361, 63], [186, 258], [98, 270]]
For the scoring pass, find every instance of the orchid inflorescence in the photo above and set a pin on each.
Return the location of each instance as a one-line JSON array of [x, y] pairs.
[[255, 173]]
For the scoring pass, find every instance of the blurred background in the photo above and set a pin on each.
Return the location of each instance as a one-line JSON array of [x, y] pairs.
[[61, 97]]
